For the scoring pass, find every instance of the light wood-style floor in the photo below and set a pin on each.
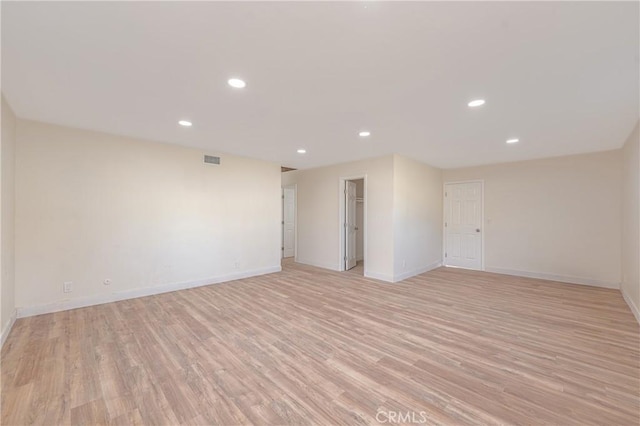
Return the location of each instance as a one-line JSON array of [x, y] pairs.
[[308, 346]]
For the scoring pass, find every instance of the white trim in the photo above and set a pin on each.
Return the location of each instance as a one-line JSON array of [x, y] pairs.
[[329, 266], [7, 328], [409, 274], [63, 305], [341, 217], [377, 276], [444, 218], [632, 306], [554, 277]]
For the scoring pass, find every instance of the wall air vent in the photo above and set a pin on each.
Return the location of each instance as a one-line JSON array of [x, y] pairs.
[[211, 159]]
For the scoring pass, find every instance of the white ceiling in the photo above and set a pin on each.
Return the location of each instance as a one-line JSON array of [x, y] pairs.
[[562, 77]]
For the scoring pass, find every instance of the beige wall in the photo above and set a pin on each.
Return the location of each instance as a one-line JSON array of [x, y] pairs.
[[417, 217], [149, 216], [318, 219], [7, 205], [152, 217], [557, 218], [403, 202], [631, 221]]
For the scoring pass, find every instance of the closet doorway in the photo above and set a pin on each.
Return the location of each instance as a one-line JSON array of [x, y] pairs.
[[353, 224]]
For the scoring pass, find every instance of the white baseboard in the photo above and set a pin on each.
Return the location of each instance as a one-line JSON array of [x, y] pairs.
[[378, 276], [64, 305], [330, 266], [553, 277], [334, 267], [7, 328], [632, 306], [413, 273]]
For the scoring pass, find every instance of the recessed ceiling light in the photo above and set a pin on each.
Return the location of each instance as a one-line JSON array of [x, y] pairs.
[[185, 123], [302, 151], [476, 103], [364, 134], [237, 83], [513, 140]]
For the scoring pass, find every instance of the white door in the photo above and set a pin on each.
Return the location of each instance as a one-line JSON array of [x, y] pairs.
[[350, 225], [288, 222], [463, 225]]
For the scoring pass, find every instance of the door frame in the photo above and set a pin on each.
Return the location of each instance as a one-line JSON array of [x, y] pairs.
[[293, 186], [341, 218], [444, 219]]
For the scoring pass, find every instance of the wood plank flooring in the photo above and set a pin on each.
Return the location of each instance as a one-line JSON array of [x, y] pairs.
[[308, 346]]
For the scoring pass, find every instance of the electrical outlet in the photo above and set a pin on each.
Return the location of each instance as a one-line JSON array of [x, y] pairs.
[[404, 263], [236, 265], [107, 281], [67, 287]]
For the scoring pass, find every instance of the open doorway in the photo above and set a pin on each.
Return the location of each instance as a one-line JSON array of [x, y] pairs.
[[353, 225], [288, 221]]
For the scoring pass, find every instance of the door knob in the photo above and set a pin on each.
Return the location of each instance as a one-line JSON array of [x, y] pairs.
[[477, 229]]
